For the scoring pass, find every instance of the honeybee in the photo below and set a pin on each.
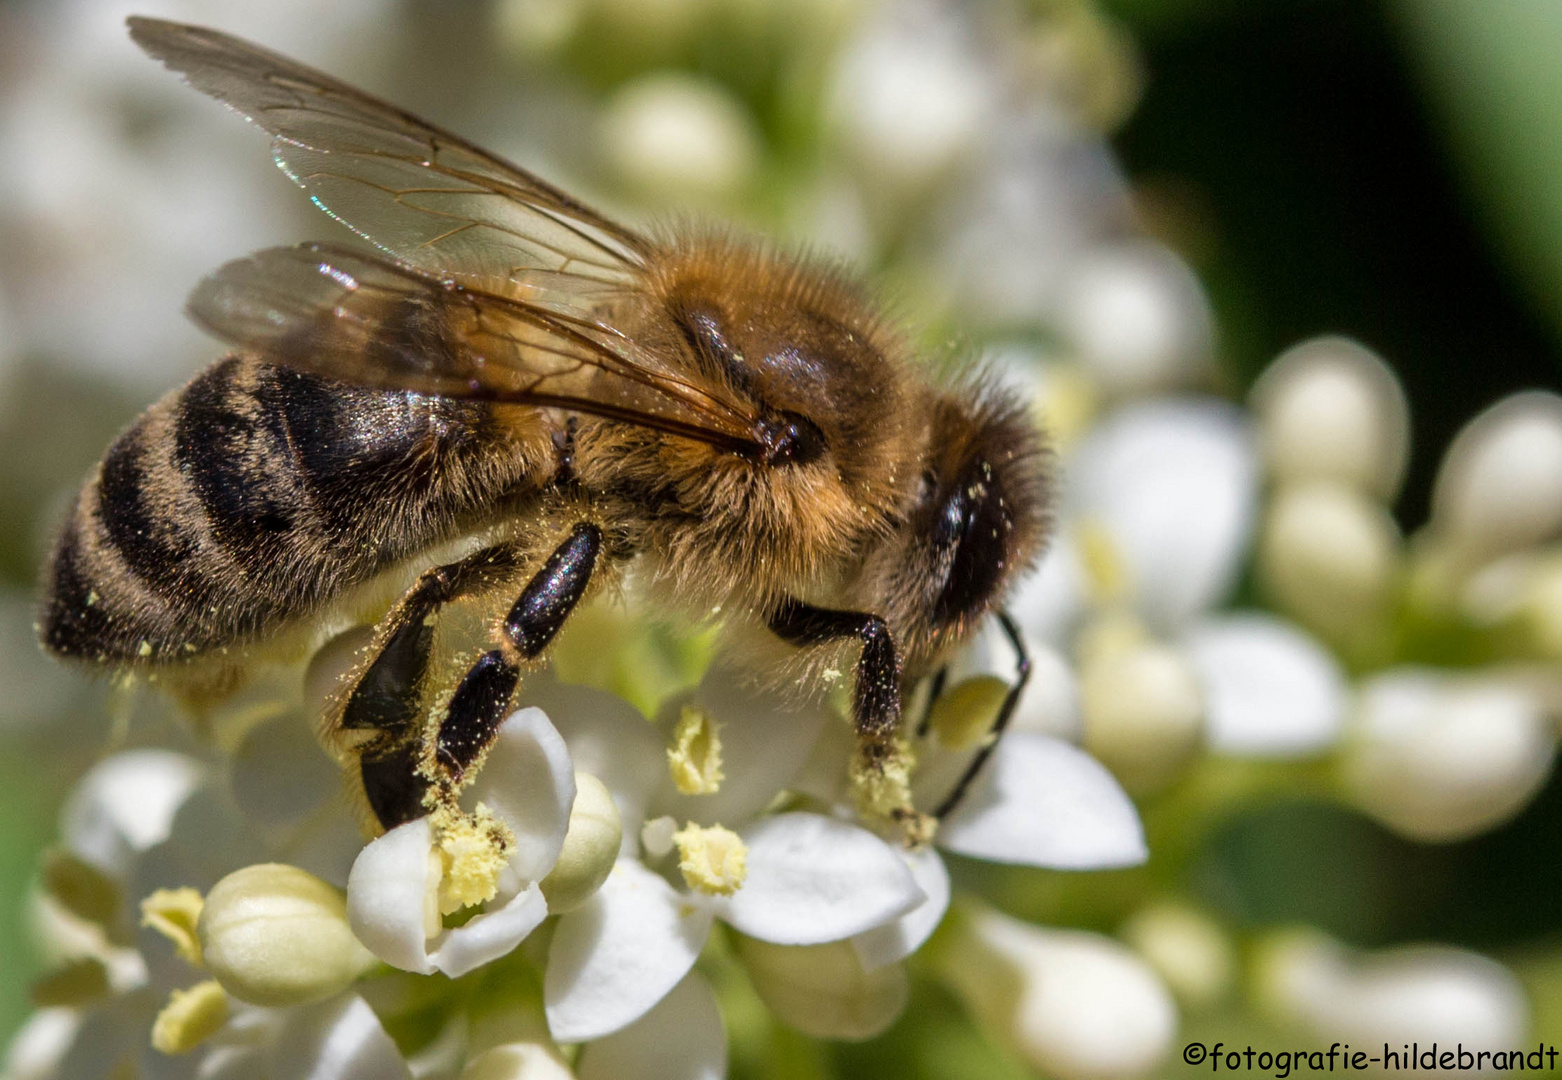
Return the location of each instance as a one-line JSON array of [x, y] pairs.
[[571, 398]]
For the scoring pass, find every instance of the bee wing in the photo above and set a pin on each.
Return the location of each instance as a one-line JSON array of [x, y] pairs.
[[352, 316], [422, 194]]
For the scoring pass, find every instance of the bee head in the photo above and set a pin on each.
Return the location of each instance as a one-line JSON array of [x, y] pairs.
[[978, 522]]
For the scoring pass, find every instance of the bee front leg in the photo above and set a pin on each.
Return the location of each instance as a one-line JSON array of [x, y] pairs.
[[880, 770], [1005, 713]]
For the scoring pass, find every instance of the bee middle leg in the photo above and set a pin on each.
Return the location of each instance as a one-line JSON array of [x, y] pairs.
[[394, 766]]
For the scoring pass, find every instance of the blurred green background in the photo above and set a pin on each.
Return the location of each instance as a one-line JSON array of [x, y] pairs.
[[1390, 171]]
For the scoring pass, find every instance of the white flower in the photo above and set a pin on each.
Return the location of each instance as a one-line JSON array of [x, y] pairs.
[[907, 98], [1442, 757], [395, 892], [809, 878], [1412, 994], [1158, 507], [1075, 1005], [1137, 317], [676, 133]]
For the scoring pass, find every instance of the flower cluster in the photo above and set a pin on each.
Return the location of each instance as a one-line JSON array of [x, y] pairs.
[[659, 866]]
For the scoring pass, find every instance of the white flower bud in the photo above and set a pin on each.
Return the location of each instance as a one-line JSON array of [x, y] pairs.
[[824, 990], [518, 1061], [1188, 949], [1143, 712], [676, 134], [1441, 758], [1074, 1005], [1330, 409], [1138, 317], [40, 1044], [536, 27], [1543, 609], [1500, 485], [275, 935], [590, 847], [1417, 994], [1330, 557], [908, 102]]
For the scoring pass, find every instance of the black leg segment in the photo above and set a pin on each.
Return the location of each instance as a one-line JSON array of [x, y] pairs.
[[482, 701], [876, 705], [475, 712], [1005, 713], [386, 695], [553, 593]]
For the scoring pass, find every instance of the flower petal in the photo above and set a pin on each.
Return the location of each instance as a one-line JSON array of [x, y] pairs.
[[764, 742], [341, 1040], [1175, 485], [1042, 802], [386, 896], [528, 782], [490, 935], [682, 1038], [608, 738], [897, 940], [813, 879], [1269, 688], [618, 955], [126, 804]]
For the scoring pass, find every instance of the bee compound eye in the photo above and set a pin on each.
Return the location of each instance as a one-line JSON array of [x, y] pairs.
[[790, 439]]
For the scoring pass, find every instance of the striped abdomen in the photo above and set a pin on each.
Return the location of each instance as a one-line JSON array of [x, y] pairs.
[[254, 495]]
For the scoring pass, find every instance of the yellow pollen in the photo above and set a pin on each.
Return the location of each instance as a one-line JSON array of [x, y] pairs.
[[473, 849], [694, 758], [189, 1018], [1103, 561], [173, 913], [714, 860]]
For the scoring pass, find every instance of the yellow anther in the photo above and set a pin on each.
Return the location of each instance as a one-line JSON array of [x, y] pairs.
[[714, 860], [190, 1017], [473, 850], [694, 758], [174, 913]]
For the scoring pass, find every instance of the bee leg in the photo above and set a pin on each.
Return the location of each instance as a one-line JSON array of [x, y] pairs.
[[934, 692], [385, 699], [1005, 713], [880, 770], [482, 700], [876, 703]]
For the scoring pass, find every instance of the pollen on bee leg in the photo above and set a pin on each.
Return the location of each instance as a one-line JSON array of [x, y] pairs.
[[473, 850], [881, 788], [713, 860], [694, 758]]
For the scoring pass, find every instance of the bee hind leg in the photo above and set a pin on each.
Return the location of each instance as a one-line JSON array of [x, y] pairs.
[[385, 699], [397, 780], [482, 701]]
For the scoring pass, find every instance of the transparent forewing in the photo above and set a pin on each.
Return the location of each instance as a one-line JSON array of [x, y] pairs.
[[426, 196], [361, 319]]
